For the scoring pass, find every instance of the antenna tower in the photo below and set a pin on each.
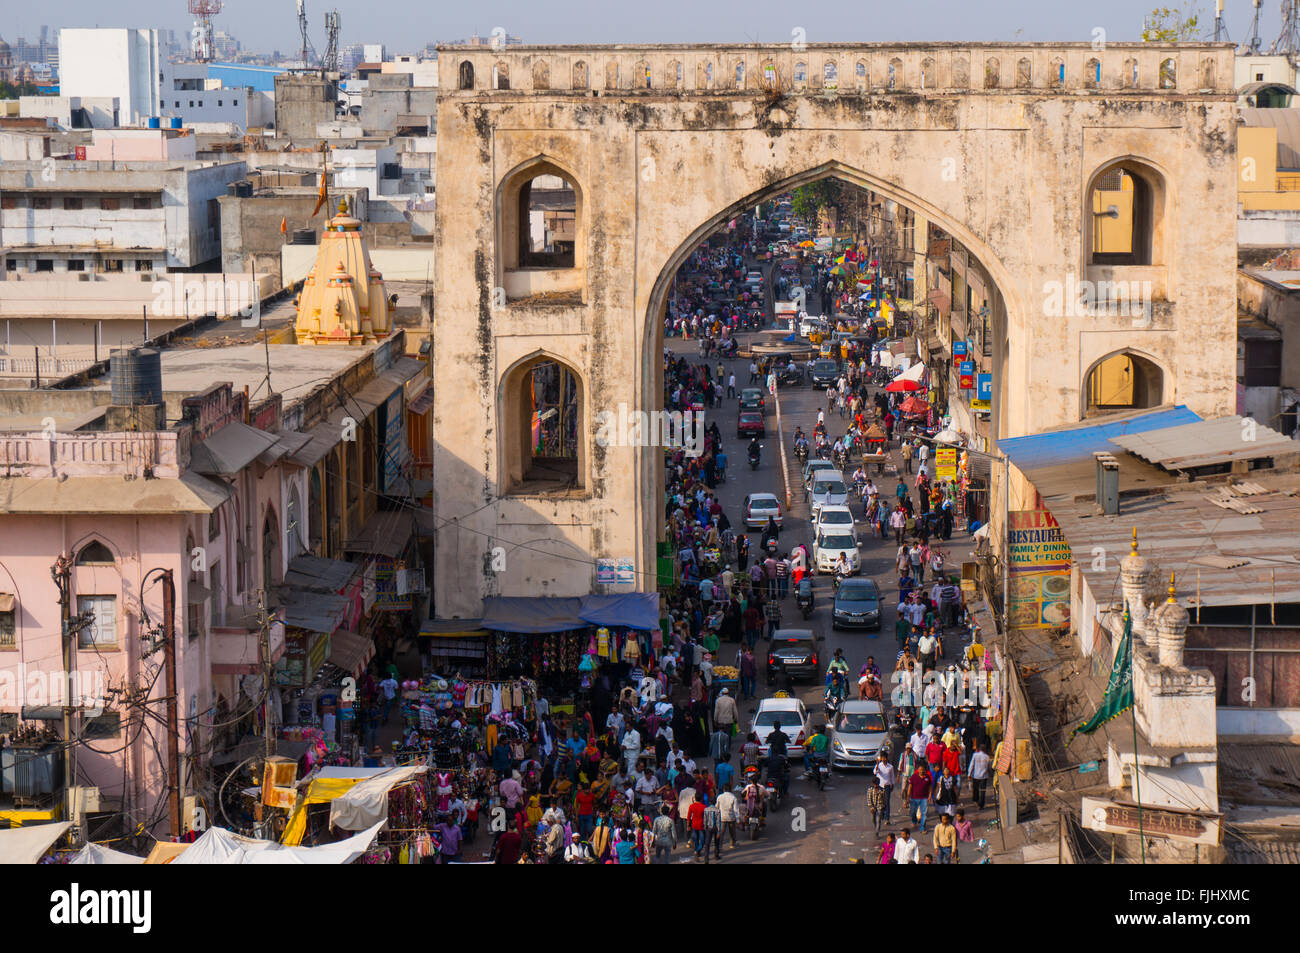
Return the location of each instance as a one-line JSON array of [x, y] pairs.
[[332, 24], [1288, 42], [202, 45]]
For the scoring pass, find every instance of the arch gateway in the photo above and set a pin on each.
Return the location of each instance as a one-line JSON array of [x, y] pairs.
[[1001, 146]]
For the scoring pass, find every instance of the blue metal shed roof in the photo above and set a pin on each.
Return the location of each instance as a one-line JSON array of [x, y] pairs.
[[1055, 447]]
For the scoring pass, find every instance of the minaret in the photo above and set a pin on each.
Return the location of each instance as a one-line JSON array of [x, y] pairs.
[[1134, 572]]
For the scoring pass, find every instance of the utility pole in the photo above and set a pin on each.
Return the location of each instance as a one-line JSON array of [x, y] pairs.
[[173, 719], [61, 571]]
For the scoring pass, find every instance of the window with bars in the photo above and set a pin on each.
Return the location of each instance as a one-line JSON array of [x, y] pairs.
[[8, 629]]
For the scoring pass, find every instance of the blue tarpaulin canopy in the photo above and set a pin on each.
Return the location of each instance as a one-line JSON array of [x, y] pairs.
[[1069, 445], [542, 614], [631, 610]]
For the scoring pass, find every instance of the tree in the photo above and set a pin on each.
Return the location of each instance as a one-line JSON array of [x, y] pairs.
[[1171, 25], [808, 200]]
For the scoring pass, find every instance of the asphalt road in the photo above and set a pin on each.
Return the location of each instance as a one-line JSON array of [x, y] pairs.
[[812, 826]]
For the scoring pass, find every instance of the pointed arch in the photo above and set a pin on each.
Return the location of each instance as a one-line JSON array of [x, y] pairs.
[[1056, 73], [466, 75], [542, 406], [541, 75], [992, 73], [641, 75], [1124, 380], [1092, 74], [929, 73], [580, 79], [501, 75], [516, 251], [1024, 73]]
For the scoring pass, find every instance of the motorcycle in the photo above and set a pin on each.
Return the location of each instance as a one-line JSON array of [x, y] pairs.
[[803, 597], [770, 546], [754, 458], [801, 452], [821, 773]]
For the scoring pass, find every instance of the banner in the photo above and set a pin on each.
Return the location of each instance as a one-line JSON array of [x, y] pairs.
[[945, 463], [1038, 600], [1036, 542], [1119, 689]]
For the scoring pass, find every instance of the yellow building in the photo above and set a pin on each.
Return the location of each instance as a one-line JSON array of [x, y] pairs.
[[1268, 159], [343, 300]]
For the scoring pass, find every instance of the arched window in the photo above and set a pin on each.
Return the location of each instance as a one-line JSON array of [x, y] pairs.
[[95, 553], [830, 75], [1024, 73], [1126, 211], [928, 78], [542, 207], [641, 75], [704, 75], [740, 75], [466, 75], [800, 75], [270, 550], [580, 75], [1092, 74], [501, 76], [769, 75], [314, 503], [611, 75], [992, 73], [673, 75], [1056, 73], [293, 538], [541, 75], [1130, 74], [1168, 74], [860, 74], [542, 422], [1122, 381], [895, 80]]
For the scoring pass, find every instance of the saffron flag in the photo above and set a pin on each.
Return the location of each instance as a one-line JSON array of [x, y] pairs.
[[321, 198], [1119, 689], [284, 225]]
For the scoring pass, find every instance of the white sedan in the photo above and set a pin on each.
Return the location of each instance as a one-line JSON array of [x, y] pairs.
[[791, 714], [834, 517], [831, 543], [759, 507]]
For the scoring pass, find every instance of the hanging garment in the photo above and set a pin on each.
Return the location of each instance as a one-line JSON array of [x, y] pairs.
[[496, 700]]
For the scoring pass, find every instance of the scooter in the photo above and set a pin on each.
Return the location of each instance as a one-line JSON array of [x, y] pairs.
[[803, 597]]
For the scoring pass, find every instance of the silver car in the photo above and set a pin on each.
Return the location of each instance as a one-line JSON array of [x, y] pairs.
[[857, 734]]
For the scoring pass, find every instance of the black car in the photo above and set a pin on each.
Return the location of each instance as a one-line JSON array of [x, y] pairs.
[[793, 651], [825, 372], [857, 605], [751, 398]]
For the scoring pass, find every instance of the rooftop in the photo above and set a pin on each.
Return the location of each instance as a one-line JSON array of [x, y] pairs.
[[1231, 539]]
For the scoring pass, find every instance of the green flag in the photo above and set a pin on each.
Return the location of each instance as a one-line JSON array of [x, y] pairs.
[[1119, 689]]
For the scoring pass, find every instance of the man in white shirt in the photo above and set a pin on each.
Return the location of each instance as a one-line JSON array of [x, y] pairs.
[[906, 850], [706, 670], [631, 749], [646, 786], [918, 741], [649, 689], [389, 687], [886, 775]]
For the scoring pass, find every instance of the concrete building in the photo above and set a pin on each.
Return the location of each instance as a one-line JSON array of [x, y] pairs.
[[122, 63], [956, 132], [1268, 345], [110, 216], [302, 102], [199, 95]]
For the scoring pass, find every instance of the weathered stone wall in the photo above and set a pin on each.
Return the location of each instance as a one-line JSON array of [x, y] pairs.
[[1005, 169]]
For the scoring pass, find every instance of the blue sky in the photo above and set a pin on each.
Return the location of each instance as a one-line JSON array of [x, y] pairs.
[[406, 25]]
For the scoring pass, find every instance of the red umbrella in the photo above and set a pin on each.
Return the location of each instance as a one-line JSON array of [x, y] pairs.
[[902, 385], [914, 406]]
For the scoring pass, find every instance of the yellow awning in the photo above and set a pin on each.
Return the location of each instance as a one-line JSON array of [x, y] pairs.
[[320, 791]]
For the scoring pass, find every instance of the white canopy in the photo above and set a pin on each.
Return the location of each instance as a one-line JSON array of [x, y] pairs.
[[947, 436], [913, 373], [25, 845], [366, 802], [99, 854], [219, 846]]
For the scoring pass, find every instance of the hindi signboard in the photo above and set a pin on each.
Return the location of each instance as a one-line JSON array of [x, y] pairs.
[[945, 463]]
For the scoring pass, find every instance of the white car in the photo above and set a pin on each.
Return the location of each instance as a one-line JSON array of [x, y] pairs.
[[812, 468], [834, 517], [754, 278], [808, 324], [828, 489], [830, 545], [793, 718], [759, 507]]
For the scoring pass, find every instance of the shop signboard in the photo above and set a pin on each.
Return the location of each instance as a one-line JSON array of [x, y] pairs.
[[1039, 588], [388, 598], [626, 571], [605, 572], [966, 368], [959, 349], [945, 463], [983, 392], [966, 382], [1190, 827], [394, 445]]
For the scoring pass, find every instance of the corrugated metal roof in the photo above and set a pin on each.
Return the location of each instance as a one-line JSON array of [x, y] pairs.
[[314, 611], [1287, 124], [1070, 444], [289, 441], [317, 574], [230, 449], [384, 534], [1206, 442]]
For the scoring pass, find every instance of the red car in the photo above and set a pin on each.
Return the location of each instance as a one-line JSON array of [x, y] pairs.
[[750, 424]]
